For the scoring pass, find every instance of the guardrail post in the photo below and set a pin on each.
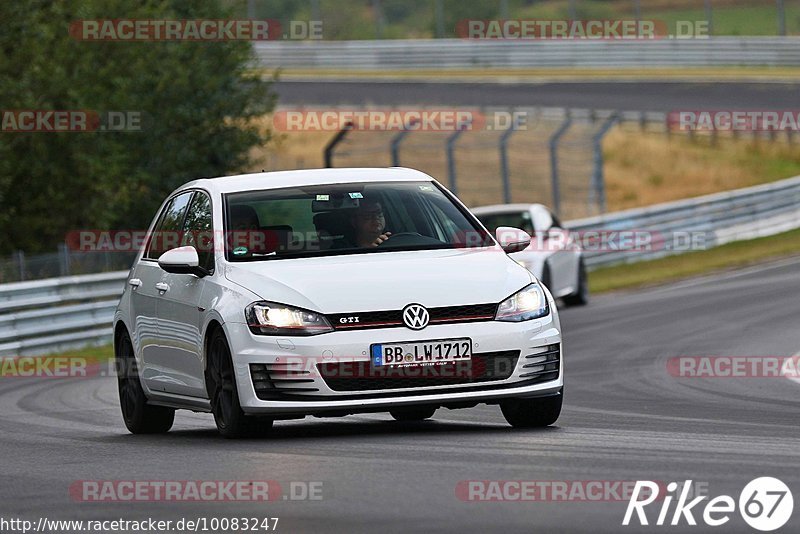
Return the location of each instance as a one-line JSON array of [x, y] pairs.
[[598, 181], [397, 139], [504, 172], [331, 146], [451, 162], [554, 178]]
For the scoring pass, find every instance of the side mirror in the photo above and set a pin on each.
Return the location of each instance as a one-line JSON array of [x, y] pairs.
[[512, 239], [182, 260]]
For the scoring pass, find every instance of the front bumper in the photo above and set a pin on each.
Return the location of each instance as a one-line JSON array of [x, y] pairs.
[[316, 397]]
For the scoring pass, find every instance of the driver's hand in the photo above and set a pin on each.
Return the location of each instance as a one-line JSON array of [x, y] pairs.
[[381, 238]]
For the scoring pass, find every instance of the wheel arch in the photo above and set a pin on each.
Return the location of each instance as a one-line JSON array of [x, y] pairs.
[[120, 328]]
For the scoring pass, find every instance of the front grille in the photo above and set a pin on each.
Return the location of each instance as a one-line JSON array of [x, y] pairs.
[[271, 381], [394, 318], [542, 366], [362, 376]]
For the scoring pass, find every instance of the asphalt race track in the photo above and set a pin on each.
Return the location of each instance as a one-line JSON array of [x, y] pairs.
[[625, 418], [624, 96]]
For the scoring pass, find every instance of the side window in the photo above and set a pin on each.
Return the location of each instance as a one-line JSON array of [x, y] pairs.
[[198, 231], [166, 234]]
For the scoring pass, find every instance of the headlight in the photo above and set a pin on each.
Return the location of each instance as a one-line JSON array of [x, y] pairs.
[[529, 303], [273, 319]]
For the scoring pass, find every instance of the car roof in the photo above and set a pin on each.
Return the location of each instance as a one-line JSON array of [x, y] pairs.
[[504, 208], [304, 177]]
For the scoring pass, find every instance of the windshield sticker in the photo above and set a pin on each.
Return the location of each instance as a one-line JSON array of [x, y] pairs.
[[426, 188], [240, 251], [356, 195], [323, 198]]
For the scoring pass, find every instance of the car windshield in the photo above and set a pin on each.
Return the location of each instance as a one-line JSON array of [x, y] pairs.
[[517, 219], [346, 219]]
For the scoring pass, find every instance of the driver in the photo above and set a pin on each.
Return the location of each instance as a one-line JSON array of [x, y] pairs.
[[368, 226]]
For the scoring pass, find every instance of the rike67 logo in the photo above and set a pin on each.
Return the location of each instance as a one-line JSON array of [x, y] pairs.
[[765, 504]]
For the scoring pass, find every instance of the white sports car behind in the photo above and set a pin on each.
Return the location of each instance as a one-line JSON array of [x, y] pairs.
[[553, 256]]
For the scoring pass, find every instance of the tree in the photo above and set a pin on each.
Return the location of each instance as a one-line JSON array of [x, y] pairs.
[[196, 100]]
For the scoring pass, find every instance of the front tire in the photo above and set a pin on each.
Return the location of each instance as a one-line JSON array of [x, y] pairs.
[[418, 413], [139, 417], [221, 384], [532, 413]]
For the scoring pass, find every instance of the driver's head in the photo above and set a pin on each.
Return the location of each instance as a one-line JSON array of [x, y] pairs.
[[368, 219], [243, 217]]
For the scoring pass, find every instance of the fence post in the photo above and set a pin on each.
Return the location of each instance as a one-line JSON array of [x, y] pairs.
[[504, 173], [397, 139], [439, 14], [554, 178], [781, 17], [598, 181], [331, 146], [504, 9], [709, 17], [451, 163], [63, 254], [315, 14], [378, 13], [21, 264]]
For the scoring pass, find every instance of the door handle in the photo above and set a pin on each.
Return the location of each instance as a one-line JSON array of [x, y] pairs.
[[161, 286], [134, 282]]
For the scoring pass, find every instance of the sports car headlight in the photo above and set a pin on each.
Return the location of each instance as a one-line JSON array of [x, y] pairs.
[[273, 319], [528, 303]]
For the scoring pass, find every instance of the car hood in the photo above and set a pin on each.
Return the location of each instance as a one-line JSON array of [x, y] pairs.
[[383, 281]]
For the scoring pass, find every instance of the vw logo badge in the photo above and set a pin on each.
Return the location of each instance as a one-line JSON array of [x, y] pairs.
[[415, 316]]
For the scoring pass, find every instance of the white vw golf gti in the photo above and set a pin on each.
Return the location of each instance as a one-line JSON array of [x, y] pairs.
[[330, 292]]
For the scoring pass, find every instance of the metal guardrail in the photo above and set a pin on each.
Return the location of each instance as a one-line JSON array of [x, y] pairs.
[[516, 54], [56, 314], [717, 219]]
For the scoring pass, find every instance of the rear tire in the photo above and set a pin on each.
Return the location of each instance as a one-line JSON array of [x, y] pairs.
[[221, 385], [532, 413], [581, 296], [413, 414], [139, 417]]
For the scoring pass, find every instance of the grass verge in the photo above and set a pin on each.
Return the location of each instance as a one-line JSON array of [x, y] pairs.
[[673, 268], [97, 354]]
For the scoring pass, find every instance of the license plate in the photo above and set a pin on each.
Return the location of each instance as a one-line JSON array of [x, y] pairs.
[[421, 352]]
